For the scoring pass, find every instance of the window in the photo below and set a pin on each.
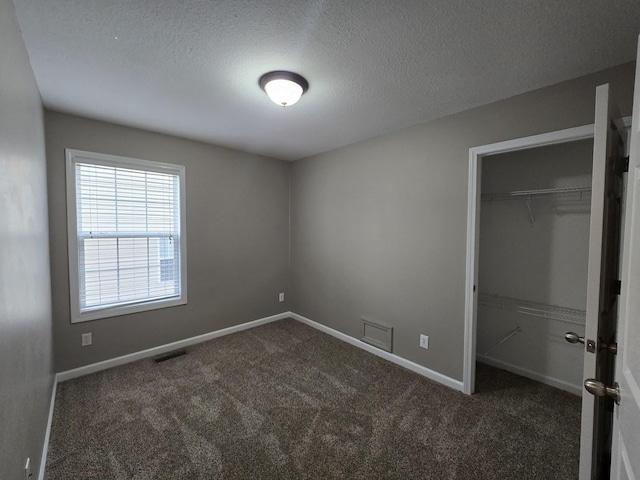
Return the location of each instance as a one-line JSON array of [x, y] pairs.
[[126, 235]]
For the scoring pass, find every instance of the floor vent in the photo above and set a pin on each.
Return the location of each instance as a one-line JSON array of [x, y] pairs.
[[170, 355]]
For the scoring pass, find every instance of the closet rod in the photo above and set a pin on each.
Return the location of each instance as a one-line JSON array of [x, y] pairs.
[[539, 193], [537, 309]]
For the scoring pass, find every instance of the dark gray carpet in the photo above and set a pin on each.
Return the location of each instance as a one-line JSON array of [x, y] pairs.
[[284, 401]]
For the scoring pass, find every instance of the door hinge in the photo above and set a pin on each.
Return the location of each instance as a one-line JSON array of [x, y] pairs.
[[622, 164], [617, 287], [610, 347]]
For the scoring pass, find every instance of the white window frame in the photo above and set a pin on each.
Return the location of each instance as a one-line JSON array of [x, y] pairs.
[[80, 156]]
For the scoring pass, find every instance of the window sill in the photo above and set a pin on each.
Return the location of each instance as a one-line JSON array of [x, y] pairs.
[[127, 309]]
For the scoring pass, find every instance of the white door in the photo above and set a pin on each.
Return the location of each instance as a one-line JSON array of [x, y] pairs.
[[625, 461], [602, 294]]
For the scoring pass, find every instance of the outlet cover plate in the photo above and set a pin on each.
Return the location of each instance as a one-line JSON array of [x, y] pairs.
[[424, 341], [86, 339], [281, 297]]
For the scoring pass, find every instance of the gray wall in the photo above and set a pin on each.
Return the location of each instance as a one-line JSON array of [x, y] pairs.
[[379, 228], [26, 375], [544, 262], [237, 239]]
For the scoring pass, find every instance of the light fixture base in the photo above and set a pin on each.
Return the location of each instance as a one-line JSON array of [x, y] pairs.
[[284, 75]]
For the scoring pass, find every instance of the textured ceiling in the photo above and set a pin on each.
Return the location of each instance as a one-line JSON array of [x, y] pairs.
[[191, 67]]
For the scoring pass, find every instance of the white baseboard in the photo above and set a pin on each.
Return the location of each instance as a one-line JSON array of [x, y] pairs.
[[414, 367], [45, 447], [554, 382], [152, 352]]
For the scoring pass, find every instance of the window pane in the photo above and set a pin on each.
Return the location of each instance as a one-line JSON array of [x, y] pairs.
[[111, 199], [119, 270]]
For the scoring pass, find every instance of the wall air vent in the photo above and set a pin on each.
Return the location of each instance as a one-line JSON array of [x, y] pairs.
[[377, 334]]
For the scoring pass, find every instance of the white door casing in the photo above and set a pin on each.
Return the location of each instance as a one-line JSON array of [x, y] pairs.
[[473, 223]]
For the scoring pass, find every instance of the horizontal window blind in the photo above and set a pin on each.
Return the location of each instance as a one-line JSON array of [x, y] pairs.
[[128, 235]]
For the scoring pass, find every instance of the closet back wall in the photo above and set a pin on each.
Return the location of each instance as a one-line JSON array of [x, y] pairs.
[[237, 239], [543, 262], [379, 228]]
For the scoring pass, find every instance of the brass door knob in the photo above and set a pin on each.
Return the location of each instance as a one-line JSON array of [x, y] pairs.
[[599, 389]]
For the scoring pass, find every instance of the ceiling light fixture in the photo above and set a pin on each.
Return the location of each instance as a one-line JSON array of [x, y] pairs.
[[284, 88]]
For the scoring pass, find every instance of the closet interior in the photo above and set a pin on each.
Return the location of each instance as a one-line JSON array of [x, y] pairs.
[[533, 260]]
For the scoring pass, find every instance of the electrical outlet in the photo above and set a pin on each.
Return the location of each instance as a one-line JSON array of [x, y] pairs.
[[281, 297], [86, 339], [424, 341], [27, 469]]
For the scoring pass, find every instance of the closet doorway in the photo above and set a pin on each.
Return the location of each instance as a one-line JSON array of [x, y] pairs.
[[527, 197], [533, 263]]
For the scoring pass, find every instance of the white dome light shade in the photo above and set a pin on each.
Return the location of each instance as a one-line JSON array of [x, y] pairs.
[[283, 92], [283, 88]]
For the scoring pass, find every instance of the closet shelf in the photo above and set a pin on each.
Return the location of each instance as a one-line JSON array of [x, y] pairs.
[[539, 193], [551, 312], [530, 195]]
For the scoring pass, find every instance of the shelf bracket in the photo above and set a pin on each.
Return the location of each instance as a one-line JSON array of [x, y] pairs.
[[513, 332], [530, 208]]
